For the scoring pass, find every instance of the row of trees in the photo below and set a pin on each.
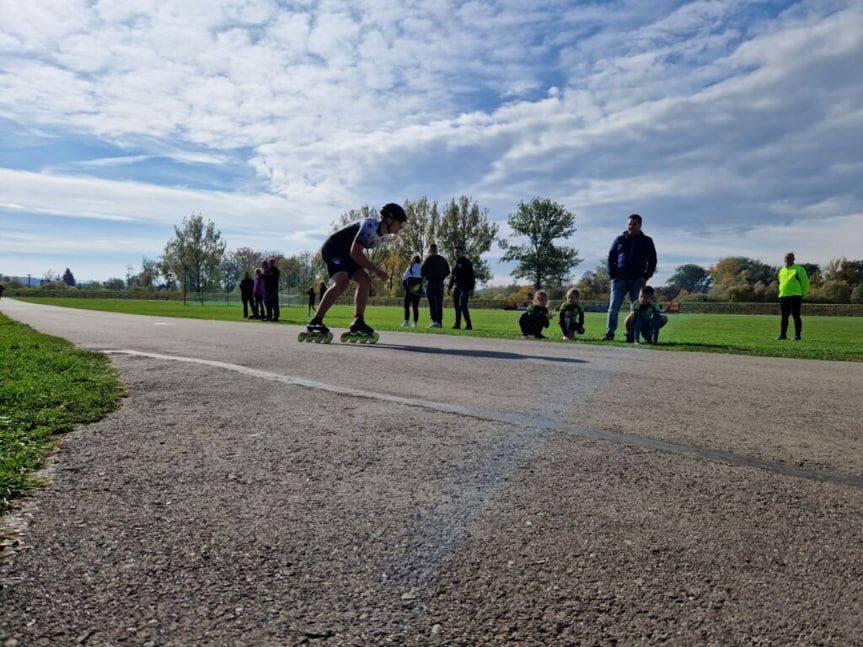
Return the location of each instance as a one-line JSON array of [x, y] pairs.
[[195, 259], [737, 278]]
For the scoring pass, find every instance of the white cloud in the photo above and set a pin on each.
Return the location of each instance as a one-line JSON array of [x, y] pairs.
[[709, 117]]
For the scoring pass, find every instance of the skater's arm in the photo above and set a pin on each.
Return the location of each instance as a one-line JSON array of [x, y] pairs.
[[359, 257]]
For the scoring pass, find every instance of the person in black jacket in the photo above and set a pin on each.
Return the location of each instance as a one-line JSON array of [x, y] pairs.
[[461, 283], [631, 262], [271, 289], [434, 270], [247, 286]]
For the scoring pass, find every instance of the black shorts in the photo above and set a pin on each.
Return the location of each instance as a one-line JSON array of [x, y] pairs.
[[341, 264]]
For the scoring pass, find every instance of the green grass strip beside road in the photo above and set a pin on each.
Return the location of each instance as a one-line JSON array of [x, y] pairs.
[[47, 387]]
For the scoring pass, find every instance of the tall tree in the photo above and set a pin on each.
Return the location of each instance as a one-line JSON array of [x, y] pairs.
[[419, 231], [692, 278], [195, 254], [543, 222], [69, 278], [464, 223], [149, 272]]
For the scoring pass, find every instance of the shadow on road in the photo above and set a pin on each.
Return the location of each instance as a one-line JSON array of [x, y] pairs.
[[488, 354]]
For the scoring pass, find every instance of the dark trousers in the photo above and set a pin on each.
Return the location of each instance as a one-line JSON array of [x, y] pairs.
[[434, 293], [532, 324], [271, 301], [248, 302], [460, 298], [790, 306], [258, 306], [412, 301]]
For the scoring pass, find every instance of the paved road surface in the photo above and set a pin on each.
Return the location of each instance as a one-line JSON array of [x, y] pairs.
[[441, 490]]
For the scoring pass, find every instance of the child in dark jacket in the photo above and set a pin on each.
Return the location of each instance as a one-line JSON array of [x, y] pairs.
[[536, 317], [571, 315]]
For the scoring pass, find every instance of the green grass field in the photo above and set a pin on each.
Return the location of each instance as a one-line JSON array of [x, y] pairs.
[[47, 386], [826, 338]]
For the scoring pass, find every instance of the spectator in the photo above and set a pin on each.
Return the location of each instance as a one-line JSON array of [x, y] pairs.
[[631, 262], [271, 289], [571, 315], [311, 293], [247, 287], [412, 282], [258, 293], [536, 317], [645, 319], [434, 270], [461, 283], [793, 286]]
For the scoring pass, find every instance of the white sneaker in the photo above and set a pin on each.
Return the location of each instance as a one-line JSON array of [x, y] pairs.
[[414, 325], [405, 324]]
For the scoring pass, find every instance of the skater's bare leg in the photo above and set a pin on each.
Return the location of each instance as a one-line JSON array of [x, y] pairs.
[[361, 298], [340, 283]]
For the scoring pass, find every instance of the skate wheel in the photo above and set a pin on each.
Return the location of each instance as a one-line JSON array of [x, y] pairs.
[[302, 336], [374, 338], [345, 336], [317, 339], [328, 338]]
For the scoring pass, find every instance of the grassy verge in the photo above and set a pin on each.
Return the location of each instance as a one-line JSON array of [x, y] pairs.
[[47, 387], [825, 338]]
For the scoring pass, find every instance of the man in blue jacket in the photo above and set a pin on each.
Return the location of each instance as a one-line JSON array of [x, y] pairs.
[[631, 262]]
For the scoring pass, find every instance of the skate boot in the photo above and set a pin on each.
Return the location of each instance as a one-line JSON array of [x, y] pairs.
[[316, 331], [360, 332]]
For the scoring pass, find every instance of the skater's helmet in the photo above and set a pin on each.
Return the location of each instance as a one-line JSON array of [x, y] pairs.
[[394, 211]]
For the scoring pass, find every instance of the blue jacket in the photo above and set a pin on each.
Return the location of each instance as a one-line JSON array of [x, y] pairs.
[[632, 257]]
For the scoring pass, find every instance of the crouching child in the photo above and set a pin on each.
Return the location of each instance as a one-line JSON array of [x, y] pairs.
[[571, 318], [536, 317], [646, 318]]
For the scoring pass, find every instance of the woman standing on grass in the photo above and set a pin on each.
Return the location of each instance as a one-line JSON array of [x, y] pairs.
[[793, 286]]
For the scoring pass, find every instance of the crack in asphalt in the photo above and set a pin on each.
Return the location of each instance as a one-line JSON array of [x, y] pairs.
[[706, 453]]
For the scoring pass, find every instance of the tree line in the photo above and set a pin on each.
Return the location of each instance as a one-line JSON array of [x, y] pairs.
[[196, 259]]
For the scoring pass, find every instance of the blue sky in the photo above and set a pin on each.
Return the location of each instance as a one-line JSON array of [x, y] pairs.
[[734, 127]]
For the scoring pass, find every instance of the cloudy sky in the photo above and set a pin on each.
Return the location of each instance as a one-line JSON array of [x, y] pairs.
[[734, 127]]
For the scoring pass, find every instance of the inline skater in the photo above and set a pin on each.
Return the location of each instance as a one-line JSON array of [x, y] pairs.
[[344, 255]]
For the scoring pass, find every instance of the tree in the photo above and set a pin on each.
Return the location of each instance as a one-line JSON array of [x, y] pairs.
[[540, 260], [420, 230], [841, 269], [464, 223], [69, 278], [149, 272], [594, 284], [692, 278], [195, 254]]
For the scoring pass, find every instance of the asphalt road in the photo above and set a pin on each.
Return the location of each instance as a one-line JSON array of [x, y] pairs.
[[440, 490]]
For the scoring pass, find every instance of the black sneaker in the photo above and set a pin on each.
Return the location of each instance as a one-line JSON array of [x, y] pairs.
[[608, 337]]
